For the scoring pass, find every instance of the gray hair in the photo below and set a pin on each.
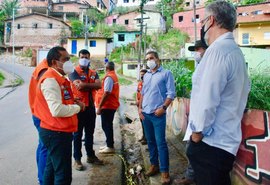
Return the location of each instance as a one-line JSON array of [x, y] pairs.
[[110, 66], [224, 14]]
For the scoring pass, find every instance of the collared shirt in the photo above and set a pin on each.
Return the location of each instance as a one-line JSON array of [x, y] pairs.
[[108, 84], [52, 94], [156, 88], [220, 88]]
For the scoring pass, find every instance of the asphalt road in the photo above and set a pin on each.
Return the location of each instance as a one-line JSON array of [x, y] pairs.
[[18, 137]]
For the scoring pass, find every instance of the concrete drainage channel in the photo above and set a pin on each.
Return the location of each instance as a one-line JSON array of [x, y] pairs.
[[133, 161]]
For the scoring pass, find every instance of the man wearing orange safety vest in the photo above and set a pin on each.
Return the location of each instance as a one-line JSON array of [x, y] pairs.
[[41, 152], [107, 103], [56, 108], [84, 83]]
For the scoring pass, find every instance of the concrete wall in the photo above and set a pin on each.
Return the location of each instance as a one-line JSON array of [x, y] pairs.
[[98, 52], [130, 72], [129, 38], [252, 166], [42, 36]]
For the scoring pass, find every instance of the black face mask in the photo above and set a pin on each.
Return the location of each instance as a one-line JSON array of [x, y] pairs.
[[203, 35]]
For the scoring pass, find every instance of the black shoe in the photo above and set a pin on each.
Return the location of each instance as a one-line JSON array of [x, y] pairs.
[[94, 160]]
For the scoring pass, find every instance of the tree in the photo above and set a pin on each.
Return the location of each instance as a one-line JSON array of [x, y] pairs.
[[7, 7], [77, 28], [168, 8], [95, 15], [247, 2]]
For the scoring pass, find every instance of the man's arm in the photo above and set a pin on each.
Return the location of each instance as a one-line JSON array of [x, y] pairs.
[[52, 94], [108, 86], [83, 86]]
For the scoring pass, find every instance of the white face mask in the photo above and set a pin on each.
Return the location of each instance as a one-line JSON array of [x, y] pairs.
[[197, 56], [151, 64], [68, 67], [84, 62]]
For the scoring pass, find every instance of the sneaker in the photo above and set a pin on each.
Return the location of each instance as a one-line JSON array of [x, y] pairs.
[[78, 165], [94, 160], [107, 150]]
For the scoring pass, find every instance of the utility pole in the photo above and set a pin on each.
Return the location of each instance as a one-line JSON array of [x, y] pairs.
[[140, 44], [13, 41], [195, 23], [86, 33]]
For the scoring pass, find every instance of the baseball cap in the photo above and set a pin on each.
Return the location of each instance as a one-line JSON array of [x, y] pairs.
[[197, 44]]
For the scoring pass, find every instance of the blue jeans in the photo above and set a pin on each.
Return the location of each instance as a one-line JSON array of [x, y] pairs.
[[155, 132], [107, 116], [58, 166], [41, 153], [87, 121]]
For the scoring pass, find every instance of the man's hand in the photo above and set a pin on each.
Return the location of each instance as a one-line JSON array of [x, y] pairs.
[[98, 111], [196, 137], [81, 104], [78, 84], [159, 112], [141, 114]]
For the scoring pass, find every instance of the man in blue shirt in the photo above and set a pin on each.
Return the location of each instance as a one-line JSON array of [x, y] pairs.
[[220, 88], [157, 94]]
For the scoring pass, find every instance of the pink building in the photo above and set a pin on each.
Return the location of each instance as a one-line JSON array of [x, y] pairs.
[[184, 21]]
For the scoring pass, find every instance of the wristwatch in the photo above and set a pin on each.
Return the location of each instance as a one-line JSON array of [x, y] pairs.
[[164, 107]]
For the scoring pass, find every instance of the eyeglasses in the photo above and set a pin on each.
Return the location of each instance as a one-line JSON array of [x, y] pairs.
[[205, 19]]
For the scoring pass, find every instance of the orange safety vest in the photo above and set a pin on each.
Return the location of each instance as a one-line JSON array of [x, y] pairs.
[[112, 101], [139, 90], [34, 82], [90, 78], [63, 124]]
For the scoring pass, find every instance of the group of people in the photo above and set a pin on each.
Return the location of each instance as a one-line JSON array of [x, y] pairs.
[[220, 88], [62, 109]]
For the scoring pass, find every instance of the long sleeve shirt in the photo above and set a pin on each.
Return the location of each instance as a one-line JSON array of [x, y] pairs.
[[220, 88], [157, 87], [52, 94]]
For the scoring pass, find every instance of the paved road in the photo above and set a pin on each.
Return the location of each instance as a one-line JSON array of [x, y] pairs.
[[18, 137]]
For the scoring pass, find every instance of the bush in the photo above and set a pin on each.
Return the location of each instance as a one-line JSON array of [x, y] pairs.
[[27, 53], [182, 76], [1, 78], [259, 96]]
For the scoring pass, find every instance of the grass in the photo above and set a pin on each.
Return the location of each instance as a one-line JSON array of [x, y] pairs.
[[2, 78], [123, 81]]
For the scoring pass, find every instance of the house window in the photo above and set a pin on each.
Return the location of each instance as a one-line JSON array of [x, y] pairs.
[[126, 1], [266, 35], [50, 25], [187, 3], [245, 38], [93, 43], [114, 21], [132, 66], [121, 37], [180, 18], [35, 25], [60, 8], [126, 22], [197, 2], [197, 19], [18, 26]]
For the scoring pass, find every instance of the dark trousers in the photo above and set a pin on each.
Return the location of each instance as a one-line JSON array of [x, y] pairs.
[[211, 165], [107, 116], [86, 122], [58, 165]]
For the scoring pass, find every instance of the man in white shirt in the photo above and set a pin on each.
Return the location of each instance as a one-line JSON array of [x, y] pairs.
[[220, 89]]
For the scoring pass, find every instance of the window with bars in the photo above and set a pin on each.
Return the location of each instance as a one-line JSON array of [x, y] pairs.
[[121, 37], [245, 38]]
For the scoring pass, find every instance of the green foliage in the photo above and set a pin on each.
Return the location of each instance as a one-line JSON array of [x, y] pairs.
[[168, 8], [7, 7], [2, 78], [169, 44], [123, 10], [124, 81], [95, 15], [260, 90], [247, 2], [106, 30], [77, 28], [27, 53], [118, 53], [182, 76]]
